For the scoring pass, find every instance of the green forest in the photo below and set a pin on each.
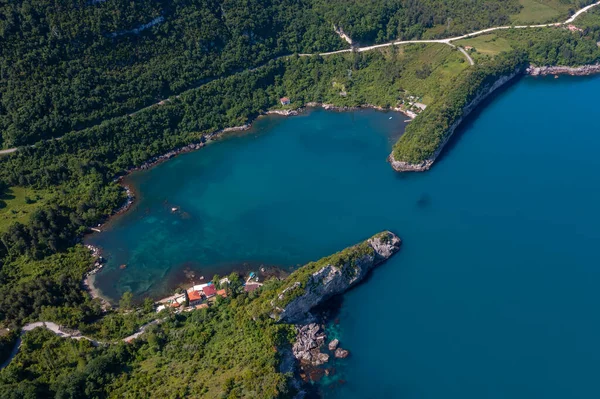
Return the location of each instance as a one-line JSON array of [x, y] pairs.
[[79, 69]]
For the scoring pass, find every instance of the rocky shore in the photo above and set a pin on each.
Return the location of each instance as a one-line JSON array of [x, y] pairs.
[[88, 280], [401, 166], [563, 70]]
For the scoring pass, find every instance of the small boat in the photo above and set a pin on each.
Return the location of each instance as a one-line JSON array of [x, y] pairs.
[[390, 117]]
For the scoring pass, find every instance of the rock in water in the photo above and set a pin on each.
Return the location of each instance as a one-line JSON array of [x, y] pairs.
[[334, 344], [341, 353]]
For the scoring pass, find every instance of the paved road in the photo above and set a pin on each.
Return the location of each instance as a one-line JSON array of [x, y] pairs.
[[447, 41]]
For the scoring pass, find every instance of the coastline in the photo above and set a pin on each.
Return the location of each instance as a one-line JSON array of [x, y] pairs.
[[531, 70], [90, 277], [401, 166], [205, 139]]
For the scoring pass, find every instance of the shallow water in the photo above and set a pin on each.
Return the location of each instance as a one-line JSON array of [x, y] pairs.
[[494, 293]]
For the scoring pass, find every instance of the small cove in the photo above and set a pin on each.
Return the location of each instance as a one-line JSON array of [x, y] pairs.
[[493, 294]]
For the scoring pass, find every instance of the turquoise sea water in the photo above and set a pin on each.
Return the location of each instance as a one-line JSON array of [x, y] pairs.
[[494, 293]]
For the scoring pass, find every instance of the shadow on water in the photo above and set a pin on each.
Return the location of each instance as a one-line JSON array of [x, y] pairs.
[[468, 122]]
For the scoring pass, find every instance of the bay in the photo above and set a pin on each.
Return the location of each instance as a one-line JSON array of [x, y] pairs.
[[494, 293]]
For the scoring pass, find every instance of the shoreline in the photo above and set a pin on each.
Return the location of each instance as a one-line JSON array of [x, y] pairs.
[[207, 139], [90, 277], [531, 70], [131, 195]]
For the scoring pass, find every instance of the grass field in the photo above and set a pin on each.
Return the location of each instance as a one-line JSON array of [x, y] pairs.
[[541, 11], [485, 45], [446, 63], [14, 206]]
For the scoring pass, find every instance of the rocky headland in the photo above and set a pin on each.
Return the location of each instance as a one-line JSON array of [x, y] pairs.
[[482, 94], [310, 287], [318, 281]]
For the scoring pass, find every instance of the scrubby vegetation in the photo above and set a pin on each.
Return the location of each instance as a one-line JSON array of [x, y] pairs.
[[230, 349]]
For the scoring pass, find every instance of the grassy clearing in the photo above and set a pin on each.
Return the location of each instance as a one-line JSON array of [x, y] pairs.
[[541, 11], [445, 62], [485, 46], [18, 204]]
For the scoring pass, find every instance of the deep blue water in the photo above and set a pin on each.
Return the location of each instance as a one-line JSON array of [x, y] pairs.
[[494, 293]]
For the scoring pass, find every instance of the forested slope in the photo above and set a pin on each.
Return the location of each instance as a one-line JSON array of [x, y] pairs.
[[66, 65]]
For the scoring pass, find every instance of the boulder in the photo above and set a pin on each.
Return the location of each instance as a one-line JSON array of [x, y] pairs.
[[334, 344], [341, 353]]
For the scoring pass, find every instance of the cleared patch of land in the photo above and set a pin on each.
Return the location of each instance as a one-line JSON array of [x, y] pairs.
[[18, 204], [541, 11], [428, 69], [485, 45]]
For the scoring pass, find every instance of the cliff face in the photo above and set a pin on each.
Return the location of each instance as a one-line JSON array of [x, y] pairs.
[[401, 166], [318, 281]]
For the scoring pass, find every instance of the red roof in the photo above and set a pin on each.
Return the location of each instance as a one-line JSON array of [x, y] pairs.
[[223, 293], [209, 290], [194, 295], [175, 304], [251, 287], [285, 99]]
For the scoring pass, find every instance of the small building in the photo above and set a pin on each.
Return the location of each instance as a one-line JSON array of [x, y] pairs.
[[468, 48], [285, 101], [573, 28], [197, 287], [222, 293], [224, 281], [175, 305], [209, 291], [202, 306], [195, 297], [251, 287]]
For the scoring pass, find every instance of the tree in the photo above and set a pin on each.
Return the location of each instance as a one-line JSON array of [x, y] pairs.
[[148, 305], [235, 284], [126, 301]]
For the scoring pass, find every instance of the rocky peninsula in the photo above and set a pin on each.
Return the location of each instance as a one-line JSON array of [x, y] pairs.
[[484, 92], [312, 285], [318, 281]]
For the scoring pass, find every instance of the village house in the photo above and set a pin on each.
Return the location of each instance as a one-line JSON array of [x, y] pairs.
[[195, 297], [468, 48], [285, 101], [209, 291], [252, 287], [222, 293], [573, 28], [202, 306]]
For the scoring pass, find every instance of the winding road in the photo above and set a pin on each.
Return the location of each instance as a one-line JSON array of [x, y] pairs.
[[447, 41], [74, 334]]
